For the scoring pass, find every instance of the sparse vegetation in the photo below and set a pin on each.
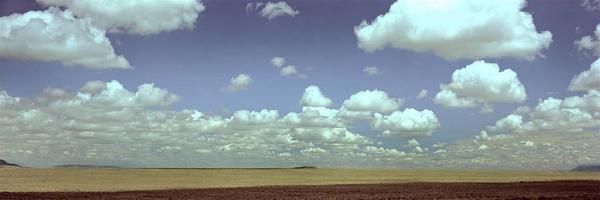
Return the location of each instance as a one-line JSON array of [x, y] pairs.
[[82, 179]]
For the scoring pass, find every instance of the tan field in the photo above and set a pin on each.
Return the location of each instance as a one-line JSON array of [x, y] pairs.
[[29, 180]]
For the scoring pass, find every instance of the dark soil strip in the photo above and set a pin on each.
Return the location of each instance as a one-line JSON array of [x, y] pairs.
[[519, 190]]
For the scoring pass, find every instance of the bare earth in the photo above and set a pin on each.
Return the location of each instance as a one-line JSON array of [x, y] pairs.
[[518, 190], [293, 184]]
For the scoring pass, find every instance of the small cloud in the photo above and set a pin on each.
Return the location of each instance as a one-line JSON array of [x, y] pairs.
[[278, 61], [372, 101], [422, 94], [271, 10], [591, 5], [371, 70], [289, 70], [313, 97], [483, 147], [239, 83]]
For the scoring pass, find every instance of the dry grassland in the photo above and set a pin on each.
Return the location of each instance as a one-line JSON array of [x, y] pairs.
[[29, 179]]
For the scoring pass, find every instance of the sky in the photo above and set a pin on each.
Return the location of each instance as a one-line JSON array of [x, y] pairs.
[[509, 84]]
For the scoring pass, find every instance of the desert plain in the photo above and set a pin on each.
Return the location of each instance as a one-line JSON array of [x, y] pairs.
[[94, 183]]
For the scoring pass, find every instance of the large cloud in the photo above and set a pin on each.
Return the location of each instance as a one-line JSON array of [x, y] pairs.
[[372, 101], [313, 97], [54, 35], [588, 79], [456, 29], [407, 123], [105, 123], [135, 16], [481, 83]]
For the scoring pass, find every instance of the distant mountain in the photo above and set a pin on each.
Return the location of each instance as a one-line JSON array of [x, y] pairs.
[[305, 167], [587, 168], [3, 163], [85, 166]]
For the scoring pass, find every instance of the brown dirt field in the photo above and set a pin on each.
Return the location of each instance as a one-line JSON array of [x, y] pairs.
[[420, 190], [111, 180]]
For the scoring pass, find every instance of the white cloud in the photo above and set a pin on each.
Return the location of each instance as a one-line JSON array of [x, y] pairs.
[[372, 101], [421, 94], [407, 123], [510, 123], [481, 83], [313, 97], [136, 16], [291, 70], [371, 70], [588, 79], [591, 5], [272, 10], [54, 35], [572, 114], [104, 122], [413, 143], [278, 61], [456, 29], [483, 147], [590, 43], [239, 83], [5, 99]]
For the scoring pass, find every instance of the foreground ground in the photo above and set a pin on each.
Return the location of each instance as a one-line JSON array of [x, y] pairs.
[[47, 180], [421, 190]]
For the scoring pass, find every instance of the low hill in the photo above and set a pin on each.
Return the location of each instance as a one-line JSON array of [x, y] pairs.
[[587, 168], [305, 167], [3, 163], [85, 166]]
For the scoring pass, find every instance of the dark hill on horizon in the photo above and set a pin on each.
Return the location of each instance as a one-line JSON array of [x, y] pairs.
[[3, 163], [85, 166], [587, 168]]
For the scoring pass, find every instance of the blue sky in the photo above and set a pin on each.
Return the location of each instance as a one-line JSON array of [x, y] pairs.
[[195, 59]]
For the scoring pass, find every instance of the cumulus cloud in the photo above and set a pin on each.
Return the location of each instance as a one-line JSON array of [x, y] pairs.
[[239, 83], [571, 114], [591, 5], [456, 29], [590, 43], [135, 17], [272, 10], [371, 70], [421, 94], [289, 70], [278, 61], [313, 97], [588, 79], [481, 83], [407, 123], [372, 101], [55, 35], [105, 122]]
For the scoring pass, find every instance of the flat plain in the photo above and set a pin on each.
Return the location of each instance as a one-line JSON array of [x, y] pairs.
[[90, 180]]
